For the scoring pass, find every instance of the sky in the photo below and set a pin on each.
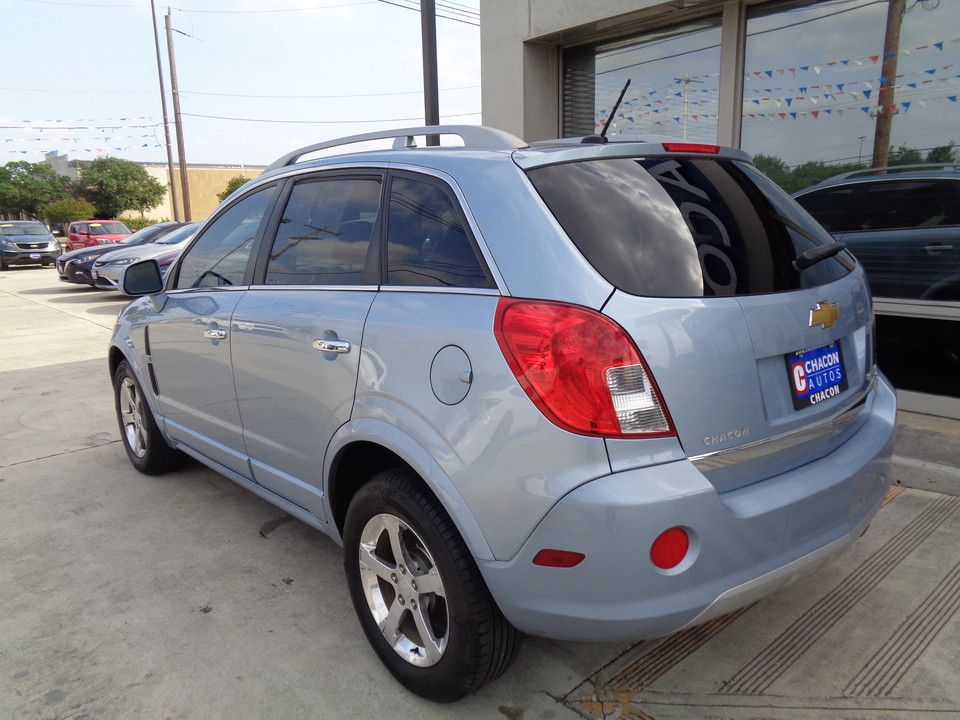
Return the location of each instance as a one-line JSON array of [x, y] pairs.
[[809, 74], [80, 76]]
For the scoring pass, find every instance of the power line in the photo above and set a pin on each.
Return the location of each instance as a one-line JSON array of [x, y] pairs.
[[325, 122]]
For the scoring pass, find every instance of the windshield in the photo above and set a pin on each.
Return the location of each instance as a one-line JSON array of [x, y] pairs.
[[177, 236], [679, 227], [25, 229], [109, 228]]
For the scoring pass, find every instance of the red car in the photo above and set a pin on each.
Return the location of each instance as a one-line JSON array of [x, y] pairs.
[[90, 233]]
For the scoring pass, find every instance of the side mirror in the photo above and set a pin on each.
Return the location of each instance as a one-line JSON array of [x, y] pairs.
[[143, 278]]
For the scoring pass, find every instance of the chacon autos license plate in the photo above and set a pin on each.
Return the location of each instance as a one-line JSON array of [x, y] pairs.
[[816, 374]]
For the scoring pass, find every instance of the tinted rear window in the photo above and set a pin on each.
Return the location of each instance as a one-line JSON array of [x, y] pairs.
[[674, 227]]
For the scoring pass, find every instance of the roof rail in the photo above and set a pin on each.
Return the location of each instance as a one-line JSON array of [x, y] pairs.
[[945, 167], [478, 136]]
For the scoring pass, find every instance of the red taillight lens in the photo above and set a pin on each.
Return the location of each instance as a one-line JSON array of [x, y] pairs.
[[558, 558], [691, 148], [580, 369], [670, 548]]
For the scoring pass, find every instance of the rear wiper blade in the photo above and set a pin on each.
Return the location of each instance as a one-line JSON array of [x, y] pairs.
[[815, 255]]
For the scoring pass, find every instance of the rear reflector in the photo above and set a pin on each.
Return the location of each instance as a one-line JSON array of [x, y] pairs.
[[558, 558], [691, 148], [670, 548]]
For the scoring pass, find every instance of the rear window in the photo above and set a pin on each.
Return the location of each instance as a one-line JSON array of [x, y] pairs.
[[676, 227]]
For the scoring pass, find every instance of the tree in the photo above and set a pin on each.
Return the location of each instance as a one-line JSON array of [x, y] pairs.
[[27, 187], [904, 156], [773, 167], [943, 154], [114, 185], [232, 184], [68, 210]]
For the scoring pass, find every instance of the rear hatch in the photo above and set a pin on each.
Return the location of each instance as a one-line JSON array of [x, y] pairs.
[[763, 366]]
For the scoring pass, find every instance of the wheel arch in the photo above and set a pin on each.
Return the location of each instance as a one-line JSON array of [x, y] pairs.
[[364, 447]]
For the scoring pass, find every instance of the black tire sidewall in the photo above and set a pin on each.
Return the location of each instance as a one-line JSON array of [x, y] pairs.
[[159, 457], [453, 676]]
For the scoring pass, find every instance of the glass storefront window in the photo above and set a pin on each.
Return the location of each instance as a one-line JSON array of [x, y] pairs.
[[674, 81], [813, 74]]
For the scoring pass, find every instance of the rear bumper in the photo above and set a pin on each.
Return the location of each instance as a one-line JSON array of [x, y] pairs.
[[744, 545]]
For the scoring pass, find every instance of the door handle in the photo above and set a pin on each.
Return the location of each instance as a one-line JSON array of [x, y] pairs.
[[334, 346], [937, 248], [215, 334]]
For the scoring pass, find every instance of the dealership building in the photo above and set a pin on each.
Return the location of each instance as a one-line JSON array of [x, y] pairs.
[[794, 82]]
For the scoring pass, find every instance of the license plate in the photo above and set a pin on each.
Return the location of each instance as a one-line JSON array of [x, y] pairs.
[[816, 374], [34, 256], [94, 274]]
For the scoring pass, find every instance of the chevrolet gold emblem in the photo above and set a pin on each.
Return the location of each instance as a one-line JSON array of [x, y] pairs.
[[825, 315]]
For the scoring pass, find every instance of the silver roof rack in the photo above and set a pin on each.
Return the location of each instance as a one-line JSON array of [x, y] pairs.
[[474, 136], [892, 169]]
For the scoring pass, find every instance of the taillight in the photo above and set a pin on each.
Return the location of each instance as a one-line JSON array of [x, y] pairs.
[[580, 369], [691, 148]]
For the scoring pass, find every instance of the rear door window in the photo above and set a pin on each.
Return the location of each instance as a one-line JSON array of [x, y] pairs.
[[678, 227]]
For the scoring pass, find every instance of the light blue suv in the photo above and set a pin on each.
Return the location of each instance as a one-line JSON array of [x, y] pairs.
[[582, 389]]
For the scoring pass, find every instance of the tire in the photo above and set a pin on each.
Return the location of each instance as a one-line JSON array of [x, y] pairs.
[[443, 635], [3, 264], [145, 446]]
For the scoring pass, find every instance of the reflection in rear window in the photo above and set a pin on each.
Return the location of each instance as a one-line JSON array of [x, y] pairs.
[[674, 227]]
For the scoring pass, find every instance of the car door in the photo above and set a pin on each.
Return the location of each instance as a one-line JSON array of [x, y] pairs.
[[297, 331], [904, 231], [189, 339]]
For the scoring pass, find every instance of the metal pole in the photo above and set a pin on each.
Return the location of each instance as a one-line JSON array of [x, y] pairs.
[[177, 121], [431, 88], [166, 120], [885, 113]]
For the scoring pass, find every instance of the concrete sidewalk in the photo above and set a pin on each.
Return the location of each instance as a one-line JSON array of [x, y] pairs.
[[184, 596]]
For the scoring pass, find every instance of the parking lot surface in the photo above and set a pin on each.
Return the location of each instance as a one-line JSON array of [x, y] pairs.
[[185, 596]]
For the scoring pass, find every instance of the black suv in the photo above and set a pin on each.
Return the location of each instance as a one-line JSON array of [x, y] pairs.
[[903, 225]]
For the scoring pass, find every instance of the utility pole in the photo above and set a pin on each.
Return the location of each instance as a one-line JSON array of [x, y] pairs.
[[177, 121], [431, 88], [686, 80], [888, 71], [166, 120]]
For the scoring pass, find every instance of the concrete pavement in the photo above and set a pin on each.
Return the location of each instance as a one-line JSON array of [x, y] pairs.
[[184, 596]]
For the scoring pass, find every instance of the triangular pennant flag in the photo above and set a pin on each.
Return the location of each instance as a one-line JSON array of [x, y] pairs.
[[866, 110], [922, 103], [868, 84], [789, 101], [938, 46], [805, 68], [778, 101], [817, 69], [906, 106], [783, 116], [866, 93], [815, 113], [874, 58], [794, 115], [769, 73], [952, 98]]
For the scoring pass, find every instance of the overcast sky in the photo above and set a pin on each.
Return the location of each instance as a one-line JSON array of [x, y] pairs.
[[80, 76]]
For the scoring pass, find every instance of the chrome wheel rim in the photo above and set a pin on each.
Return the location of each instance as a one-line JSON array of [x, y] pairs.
[[131, 417], [404, 590]]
